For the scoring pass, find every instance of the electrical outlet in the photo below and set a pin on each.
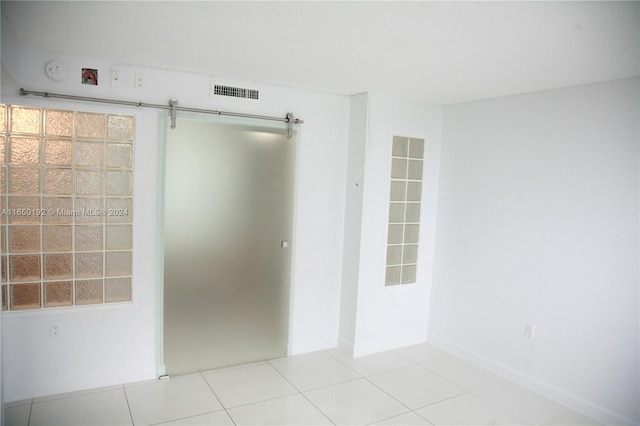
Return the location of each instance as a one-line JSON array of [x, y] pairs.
[[139, 81], [55, 330], [530, 331]]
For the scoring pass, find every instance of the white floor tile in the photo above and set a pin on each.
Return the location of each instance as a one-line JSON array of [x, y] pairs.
[[101, 408], [462, 373], [422, 352], [416, 386], [573, 419], [17, 415], [218, 418], [76, 393], [369, 365], [288, 410], [249, 384], [355, 403], [313, 371], [320, 388], [522, 403], [467, 409], [176, 398], [408, 419]]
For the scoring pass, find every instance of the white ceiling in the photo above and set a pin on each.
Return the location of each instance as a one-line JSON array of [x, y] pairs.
[[443, 52]]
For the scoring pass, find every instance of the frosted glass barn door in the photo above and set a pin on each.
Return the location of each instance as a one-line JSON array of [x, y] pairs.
[[228, 223]]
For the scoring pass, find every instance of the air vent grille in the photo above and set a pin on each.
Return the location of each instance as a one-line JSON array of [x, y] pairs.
[[236, 92]]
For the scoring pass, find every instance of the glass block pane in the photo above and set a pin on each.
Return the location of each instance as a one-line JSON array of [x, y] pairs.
[[58, 123], [58, 266], [58, 182], [117, 290], [395, 234], [414, 191], [400, 146], [3, 118], [118, 210], [24, 180], [118, 183], [413, 212], [89, 237], [411, 233], [58, 152], [393, 275], [90, 126], [57, 238], [5, 302], [416, 148], [118, 237], [88, 265], [58, 294], [3, 145], [25, 120], [24, 150], [415, 170], [3, 180], [396, 213], [3, 243], [89, 154], [398, 168], [118, 263], [88, 182], [24, 267], [88, 292], [410, 254], [398, 191], [408, 274], [394, 255], [120, 128], [59, 209], [27, 204], [24, 239], [119, 155], [3, 262], [4, 215], [88, 205], [25, 296]]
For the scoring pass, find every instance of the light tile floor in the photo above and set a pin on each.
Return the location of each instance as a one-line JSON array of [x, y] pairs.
[[416, 385]]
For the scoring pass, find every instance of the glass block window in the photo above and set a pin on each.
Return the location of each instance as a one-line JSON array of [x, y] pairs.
[[65, 207], [407, 159]]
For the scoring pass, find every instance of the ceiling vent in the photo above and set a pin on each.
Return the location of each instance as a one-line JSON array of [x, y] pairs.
[[236, 92]]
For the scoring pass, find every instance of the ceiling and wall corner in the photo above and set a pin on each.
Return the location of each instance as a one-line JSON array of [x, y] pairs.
[[441, 52]]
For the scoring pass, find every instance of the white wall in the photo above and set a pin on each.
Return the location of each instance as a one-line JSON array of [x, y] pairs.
[[358, 132], [386, 317], [538, 223], [114, 344]]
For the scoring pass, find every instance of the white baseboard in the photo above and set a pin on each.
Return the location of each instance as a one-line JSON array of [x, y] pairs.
[[35, 389], [306, 346], [547, 390]]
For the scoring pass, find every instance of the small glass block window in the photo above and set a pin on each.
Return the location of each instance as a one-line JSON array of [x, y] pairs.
[[405, 196], [66, 192]]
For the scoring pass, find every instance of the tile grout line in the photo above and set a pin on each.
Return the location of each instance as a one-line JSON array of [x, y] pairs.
[[385, 392], [217, 398], [126, 398], [467, 391], [421, 364], [301, 393], [30, 412], [504, 410]]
